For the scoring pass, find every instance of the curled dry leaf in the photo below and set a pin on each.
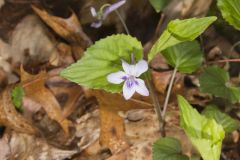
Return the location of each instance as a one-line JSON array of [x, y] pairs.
[[34, 87], [25, 147], [70, 28], [112, 125], [9, 117]]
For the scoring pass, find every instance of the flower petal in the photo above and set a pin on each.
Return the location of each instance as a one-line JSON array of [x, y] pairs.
[[96, 24], [141, 88], [93, 11], [112, 8], [128, 68], [128, 89], [117, 77], [141, 67]]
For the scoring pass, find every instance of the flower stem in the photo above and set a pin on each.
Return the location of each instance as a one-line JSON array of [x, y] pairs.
[[156, 104], [153, 94], [168, 93], [122, 21]]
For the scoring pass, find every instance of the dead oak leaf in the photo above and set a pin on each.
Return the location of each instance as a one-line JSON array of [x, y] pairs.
[[34, 88], [9, 117], [70, 28]]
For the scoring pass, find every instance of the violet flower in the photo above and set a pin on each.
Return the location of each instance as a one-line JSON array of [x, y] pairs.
[[105, 10], [130, 75]]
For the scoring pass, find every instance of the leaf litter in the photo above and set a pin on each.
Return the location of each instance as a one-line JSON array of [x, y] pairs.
[[61, 120]]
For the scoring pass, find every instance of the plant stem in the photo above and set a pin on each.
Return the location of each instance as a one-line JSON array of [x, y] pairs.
[[156, 105], [122, 21], [150, 86], [168, 93]]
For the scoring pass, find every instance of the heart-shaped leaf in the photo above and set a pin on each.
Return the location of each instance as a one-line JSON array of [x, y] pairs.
[[186, 56], [168, 149], [215, 81], [101, 59], [228, 123], [205, 134], [230, 10], [180, 31]]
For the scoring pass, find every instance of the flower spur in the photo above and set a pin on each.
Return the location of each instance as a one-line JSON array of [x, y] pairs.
[[104, 11]]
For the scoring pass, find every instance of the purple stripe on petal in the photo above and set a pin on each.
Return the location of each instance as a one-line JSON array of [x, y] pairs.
[[136, 82], [130, 83]]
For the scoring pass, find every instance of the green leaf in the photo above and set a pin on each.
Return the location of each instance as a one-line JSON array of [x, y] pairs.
[[180, 31], [205, 134], [101, 59], [158, 5], [168, 149], [228, 123], [215, 81], [17, 96], [186, 56], [230, 10]]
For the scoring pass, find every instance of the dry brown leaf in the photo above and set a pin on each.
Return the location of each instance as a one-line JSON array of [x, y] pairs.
[[70, 93], [31, 42], [69, 28], [87, 128], [140, 151], [25, 147], [112, 125], [9, 117], [161, 80], [34, 87], [63, 56], [4, 148]]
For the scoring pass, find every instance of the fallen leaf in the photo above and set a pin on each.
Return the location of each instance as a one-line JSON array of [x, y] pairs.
[[87, 128], [9, 117], [63, 56], [4, 148], [25, 147], [69, 93], [112, 125], [161, 80], [32, 41], [34, 87], [140, 151], [70, 28]]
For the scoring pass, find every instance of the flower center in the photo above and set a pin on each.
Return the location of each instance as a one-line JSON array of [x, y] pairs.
[[131, 81]]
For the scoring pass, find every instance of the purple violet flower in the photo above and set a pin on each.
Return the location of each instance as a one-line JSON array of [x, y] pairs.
[[105, 10], [130, 75]]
